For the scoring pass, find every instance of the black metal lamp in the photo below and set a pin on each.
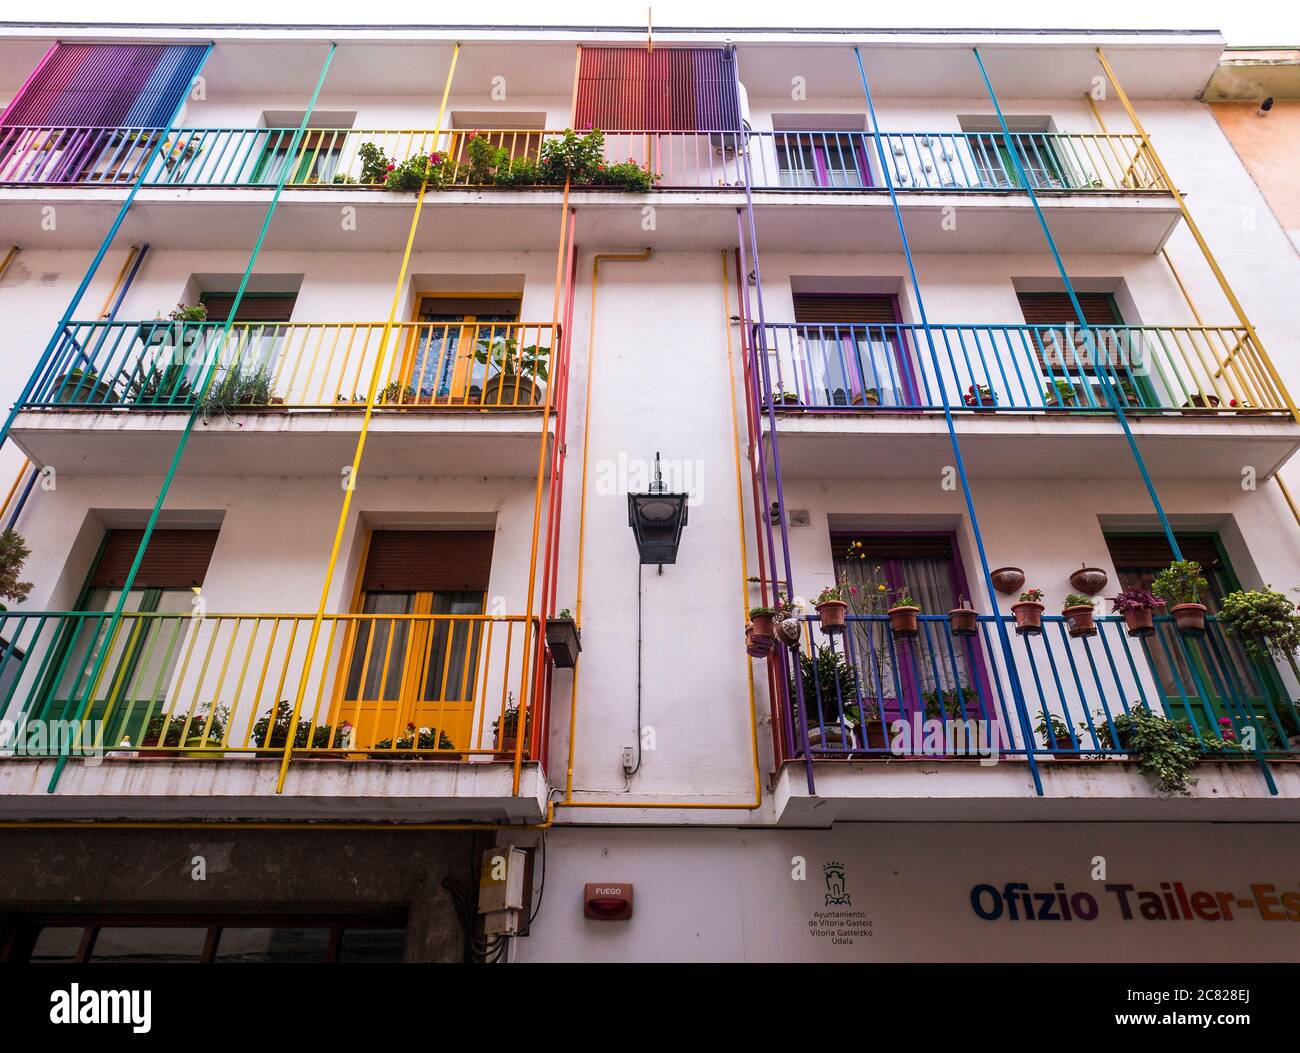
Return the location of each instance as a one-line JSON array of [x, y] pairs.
[[657, 518]]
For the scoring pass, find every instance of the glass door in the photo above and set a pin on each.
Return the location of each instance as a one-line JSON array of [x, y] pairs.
[[442, 361]]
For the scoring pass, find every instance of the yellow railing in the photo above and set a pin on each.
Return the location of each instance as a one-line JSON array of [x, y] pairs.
[[379, 686]]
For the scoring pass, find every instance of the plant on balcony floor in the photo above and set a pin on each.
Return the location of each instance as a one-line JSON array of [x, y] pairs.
[[1166, 750], [271, 731], [1060, 733], [168, 386], [979, 396], [184, 312], [79, 387], [1079, 615], [950, 704], [415, 171], [13, 555], [1200, 400], [416, 739], [868, 725], [173, 731], [235, 388], [375, 164], [1029, 612], [514, 371], [505, 729], [1138, 608], [781, 397], [575, 156], [1062, 393], [828, 684], [1181, 586]]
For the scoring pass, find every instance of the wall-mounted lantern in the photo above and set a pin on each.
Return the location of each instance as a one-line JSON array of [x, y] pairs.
[[657, 518]]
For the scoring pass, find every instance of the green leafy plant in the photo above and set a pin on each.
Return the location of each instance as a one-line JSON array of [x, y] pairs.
[[565, 614], [13, 554], [578, 157], [394, 392], [415, 738], [236, 388], [1061, 393], [1266, 622], [486, 162], [168, 731], [507, 725], [1166, 750], [169, 386], [271, 731], [950, 704], [1075, 600], [827, 679], [762, 612], [184, 312], [627, 175], [415, 171], [903, 598], [1180, 582], [504, 355], [375, 164], [1059, 728]]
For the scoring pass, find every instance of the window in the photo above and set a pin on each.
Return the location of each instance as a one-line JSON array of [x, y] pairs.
[[257, 334], [441, 364], [315, 160], [832, 160], [131, 694], [415, 658], [1216, 662], [851, 351], [1070, 359]]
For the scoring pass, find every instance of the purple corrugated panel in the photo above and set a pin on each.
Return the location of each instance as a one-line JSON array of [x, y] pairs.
[[668, 89], [167, 86]]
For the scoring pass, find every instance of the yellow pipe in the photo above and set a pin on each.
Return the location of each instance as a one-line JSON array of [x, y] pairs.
[[17, 479], [568, 801], [314, 635], [1289, 499], [121, 277], [1200, 239], [9, 258]]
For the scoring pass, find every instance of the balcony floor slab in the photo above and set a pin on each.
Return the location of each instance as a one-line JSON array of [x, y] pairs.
[[198, 790], [287, 442]]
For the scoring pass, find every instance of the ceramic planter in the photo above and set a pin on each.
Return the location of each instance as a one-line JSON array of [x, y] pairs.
[[1088, 580], [1189, 618], [759, 644], [833, 615], [789, 632], [1140, 621], [505, 746], [963, 621], [902, 621], [1079, 620], [872, 734], [1029, 617], [563, 641], [835, 737], [1008, 580]]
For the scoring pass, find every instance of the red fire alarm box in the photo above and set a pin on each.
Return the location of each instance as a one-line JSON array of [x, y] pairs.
[[607, 901]]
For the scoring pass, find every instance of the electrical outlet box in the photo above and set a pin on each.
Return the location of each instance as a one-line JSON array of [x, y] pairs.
[[501, 879], [628, 761]]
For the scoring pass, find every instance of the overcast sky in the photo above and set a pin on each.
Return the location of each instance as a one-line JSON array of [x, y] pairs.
[[1245, 22]]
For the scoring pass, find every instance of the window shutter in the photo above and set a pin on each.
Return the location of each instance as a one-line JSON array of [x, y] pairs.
[[175, 559], [428, 561], [668, 89], [1129, 552], [276, 308], [1054, 308], [441, 308], [830, 309]]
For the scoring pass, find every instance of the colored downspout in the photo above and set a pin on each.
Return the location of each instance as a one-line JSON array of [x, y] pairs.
[[44, 360], [1003, 639], [114, 624]]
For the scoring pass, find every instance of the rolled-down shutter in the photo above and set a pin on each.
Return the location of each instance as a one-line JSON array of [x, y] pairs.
[[1054, 308], [175, 559], [1128, 552], [843, 309], [277, 308], [428, 561], [668, 89]]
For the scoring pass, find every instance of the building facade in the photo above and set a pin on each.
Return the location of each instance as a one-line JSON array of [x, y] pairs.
[[415, 432]]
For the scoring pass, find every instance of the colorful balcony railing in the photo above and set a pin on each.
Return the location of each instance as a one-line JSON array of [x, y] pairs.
[[385, 686], [160, 365], [952, 162], [1073, 691], [1196, 370]]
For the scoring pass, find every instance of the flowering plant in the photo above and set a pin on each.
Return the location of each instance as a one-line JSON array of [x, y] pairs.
[[1032, 596], [979, 395]]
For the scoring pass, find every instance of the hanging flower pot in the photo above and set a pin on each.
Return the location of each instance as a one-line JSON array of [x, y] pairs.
[[788, 631], [760, 636], [1079, 616], [903, 621], [963, 621], [1138, 608], [833, 615], [1029, 613], [1007, 579], [1089, 580], [1140, 622], [1189, 618]]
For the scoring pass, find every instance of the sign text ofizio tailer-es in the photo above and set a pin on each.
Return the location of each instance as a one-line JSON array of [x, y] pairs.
[[1172, 901]]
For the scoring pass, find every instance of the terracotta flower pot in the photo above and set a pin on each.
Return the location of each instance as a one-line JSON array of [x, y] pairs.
[[1089, 580], [1029, 617], [1140, 621], [1189, 618], [1008, 579], [760, 637], [902, 621], [505, 747], [1079, 620], [833, 615], [963, 621]]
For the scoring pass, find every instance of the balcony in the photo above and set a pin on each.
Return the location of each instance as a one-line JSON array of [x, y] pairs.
[[1195, 396], [940, 705], [1081, 180], [463, 396], [199, 710]]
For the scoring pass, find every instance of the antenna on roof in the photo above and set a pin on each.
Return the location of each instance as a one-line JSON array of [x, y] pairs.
[[649, 29]]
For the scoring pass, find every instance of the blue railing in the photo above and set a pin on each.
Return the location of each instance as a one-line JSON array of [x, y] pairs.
[[847, 367], [874, 692]]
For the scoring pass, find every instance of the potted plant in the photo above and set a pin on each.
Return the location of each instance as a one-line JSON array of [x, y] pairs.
[[1061, 393], [784, 398], [1181, 586], [1078, 614], [270, 733], [198, 732], [515, 371], [183, 319], [1166, 750], [832, 609], [1198, 400], [505, 731], [1266, 622], [828, 684], [563, 639], [79, 387], [13, 555], [1029, 612], [963, 620], [416, 744], [903, 614], [948, 704], [760, 634], [1137, 606], [868, 726], [237, 389], [867, 397], [1051, 728], [169, 386], [980, 397]]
